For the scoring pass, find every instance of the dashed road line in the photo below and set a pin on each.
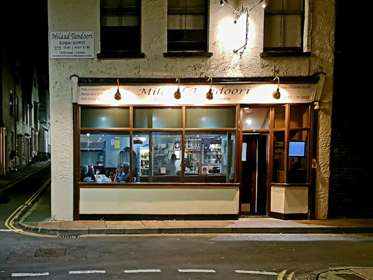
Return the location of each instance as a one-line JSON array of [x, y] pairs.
[[197, 270], [256, 272], [87, 271], [29, 274], [142, 271]]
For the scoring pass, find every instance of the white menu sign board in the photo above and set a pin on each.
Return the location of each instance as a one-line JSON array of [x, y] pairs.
[[77, 44]]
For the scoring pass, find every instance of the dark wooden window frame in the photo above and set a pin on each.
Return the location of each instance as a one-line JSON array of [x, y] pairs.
[[117, 54], [131, 130], [270, 132], [192, 53], [285, 51]]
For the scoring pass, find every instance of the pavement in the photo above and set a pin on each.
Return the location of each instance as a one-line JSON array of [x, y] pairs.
[[339, 273]]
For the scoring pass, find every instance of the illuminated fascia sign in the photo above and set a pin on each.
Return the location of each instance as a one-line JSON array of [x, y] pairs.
[[158, 94]]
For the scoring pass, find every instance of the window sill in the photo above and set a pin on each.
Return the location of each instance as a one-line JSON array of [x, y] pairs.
[[187, 54], [283, 53], [119, 55]]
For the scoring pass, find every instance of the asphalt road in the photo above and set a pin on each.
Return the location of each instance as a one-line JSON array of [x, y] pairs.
[[18, 194], [179, 257]]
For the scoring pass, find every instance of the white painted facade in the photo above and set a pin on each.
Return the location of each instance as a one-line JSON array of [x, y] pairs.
[[224, 36]]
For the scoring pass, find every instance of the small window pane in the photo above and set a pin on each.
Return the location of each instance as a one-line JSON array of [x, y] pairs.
[[187, 22], [186, 25], [166, 154], [298, 159], [141, 148], [255, 118], [103, 158], [210, 154], [104, 118], [292, 31], [159, 156], [279, 117], [210, 118], [299, 116], [294, 5], [158, 118], [273, 31], [274, 6], [278, 174], [120, 19]]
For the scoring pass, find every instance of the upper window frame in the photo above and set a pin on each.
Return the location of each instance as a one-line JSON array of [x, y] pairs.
[[188, 52], [287, 50], [122, 53]]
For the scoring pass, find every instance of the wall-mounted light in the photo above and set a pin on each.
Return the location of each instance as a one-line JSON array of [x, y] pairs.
[[237, 13], [316, 105], [222, 2], [277, 94], [117, 95], [177, 93], [210, 94]]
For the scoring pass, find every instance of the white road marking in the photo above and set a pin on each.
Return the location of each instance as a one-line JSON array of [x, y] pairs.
[[197, 270], [142, 270], [87, 271], [256, 272], [5, 230], [29, 274]]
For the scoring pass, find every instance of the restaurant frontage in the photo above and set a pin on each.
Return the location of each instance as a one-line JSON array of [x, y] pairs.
[[221, 147]]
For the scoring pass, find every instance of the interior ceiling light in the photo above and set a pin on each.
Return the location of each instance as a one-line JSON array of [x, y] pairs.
[[117, 95], [210, 94], [177, 93]]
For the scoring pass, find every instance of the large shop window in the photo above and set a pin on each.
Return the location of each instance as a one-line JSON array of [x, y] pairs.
[[210, 155], [120, 26], [186, 25], [291, 137], [157, 146], [283, 25], [159, 156], [105, 157]]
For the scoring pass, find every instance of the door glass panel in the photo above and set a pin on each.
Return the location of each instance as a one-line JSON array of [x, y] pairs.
[[278, 174]]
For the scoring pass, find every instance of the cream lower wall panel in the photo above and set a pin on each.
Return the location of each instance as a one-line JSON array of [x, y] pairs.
[[278, 199], [159, 201], [296, 201], [289, 200]]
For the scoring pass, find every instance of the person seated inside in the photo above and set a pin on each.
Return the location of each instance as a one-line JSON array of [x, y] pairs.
[[123, 173], [88, 174]]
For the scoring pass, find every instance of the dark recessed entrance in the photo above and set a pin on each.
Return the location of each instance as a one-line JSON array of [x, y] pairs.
[[254, 174]]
